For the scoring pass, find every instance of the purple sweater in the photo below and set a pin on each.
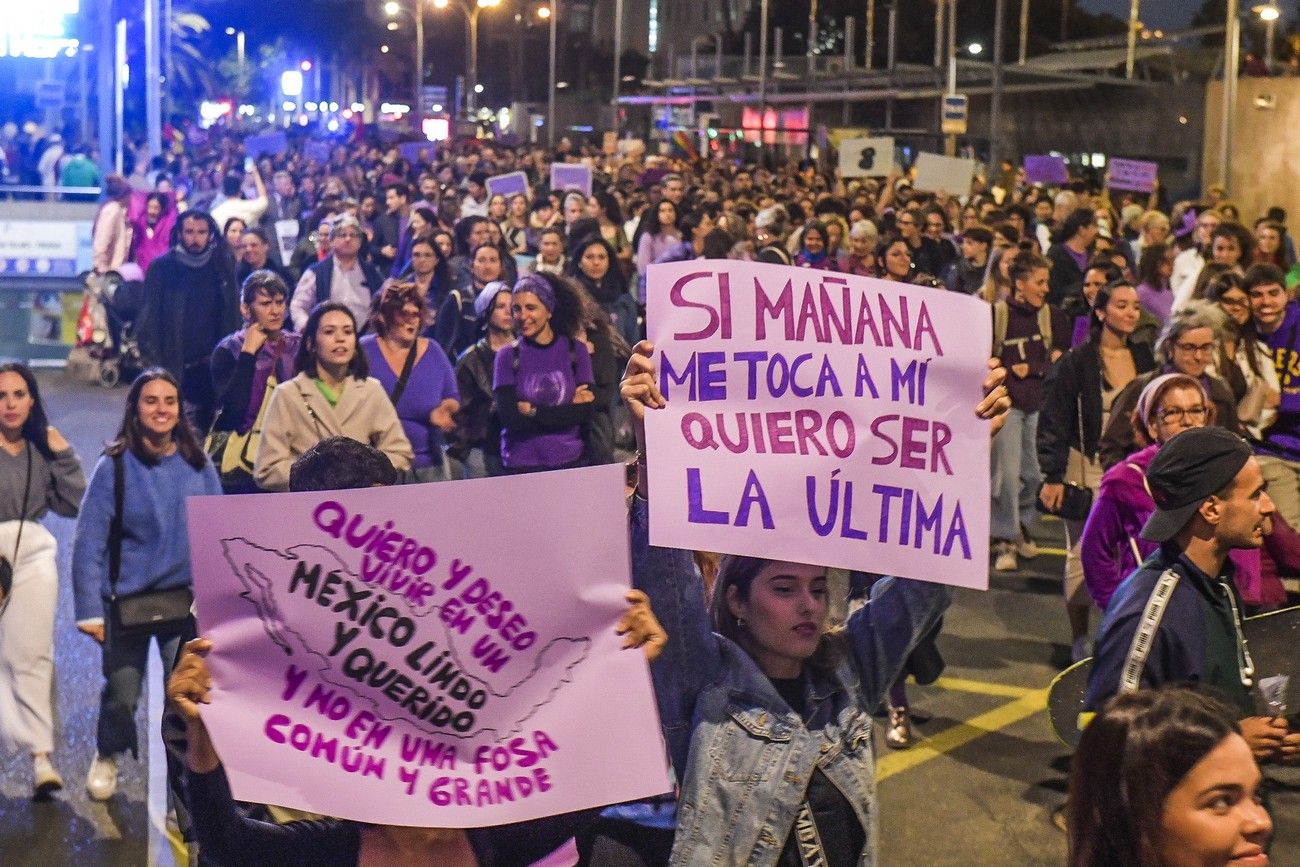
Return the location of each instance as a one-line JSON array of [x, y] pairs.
[[1120, 509]]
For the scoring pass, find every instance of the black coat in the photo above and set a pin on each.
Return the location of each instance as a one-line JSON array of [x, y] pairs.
[[166, 338], [1066, 278], [1074, 384]]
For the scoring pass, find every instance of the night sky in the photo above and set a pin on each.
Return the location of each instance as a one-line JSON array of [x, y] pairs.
[[1167, 13]]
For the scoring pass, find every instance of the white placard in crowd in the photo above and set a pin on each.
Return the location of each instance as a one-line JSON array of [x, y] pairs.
[[936, 173], [866, 157]]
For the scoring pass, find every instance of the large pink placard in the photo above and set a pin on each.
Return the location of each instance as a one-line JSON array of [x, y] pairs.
[[821, 418], [436, 655]]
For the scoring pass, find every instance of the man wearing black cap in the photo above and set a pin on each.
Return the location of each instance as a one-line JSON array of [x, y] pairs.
[[1177, 619]]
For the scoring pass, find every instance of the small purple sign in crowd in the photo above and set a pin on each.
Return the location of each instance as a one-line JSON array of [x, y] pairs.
[[820, 418], [571, 176], [1136, 175], [437, 655], [1046, 169]]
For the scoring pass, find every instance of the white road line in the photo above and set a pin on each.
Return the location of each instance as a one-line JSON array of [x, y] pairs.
[[160, 848]]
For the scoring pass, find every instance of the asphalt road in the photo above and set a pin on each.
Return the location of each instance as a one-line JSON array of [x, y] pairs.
[[981, 787]]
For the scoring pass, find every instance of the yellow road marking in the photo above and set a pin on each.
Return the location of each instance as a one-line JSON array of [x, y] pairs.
[[961, 734], [982, 687], [1058, 552]]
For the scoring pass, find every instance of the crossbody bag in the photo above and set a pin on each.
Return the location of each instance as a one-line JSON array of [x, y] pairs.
[[146, 610]]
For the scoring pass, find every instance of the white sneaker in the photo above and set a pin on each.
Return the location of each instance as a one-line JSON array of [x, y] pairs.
[[1026, 547], [46, 780], [1005, 561], [101, 782]]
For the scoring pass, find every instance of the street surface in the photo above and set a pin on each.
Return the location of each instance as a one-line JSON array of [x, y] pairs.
[[981, 788]]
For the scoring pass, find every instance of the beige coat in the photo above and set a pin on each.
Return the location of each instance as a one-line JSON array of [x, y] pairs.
[[364, 413]]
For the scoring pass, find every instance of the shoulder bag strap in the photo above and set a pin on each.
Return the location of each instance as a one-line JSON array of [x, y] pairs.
[[400, 388], [1078, 405], [1145, 635], [115, 528], [22, 515], [311, 411]]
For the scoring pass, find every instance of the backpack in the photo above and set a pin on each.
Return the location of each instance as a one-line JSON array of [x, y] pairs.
[[1001, 313]]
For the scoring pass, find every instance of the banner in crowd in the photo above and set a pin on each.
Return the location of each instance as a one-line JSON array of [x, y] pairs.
[[1136, 175], [508, 184], [1046, 169], [821, 418], [437, 655], [571, 176], [940, 174]]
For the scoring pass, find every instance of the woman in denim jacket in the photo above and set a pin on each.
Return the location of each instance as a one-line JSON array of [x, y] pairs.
[[767, 716]]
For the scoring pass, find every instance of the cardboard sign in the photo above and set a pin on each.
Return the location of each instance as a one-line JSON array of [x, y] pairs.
[[951, 175], [508, 184], [571, 176], [267, 143], [379, 657], [1137, 175], [866, 157], [1046, 169], [819, 418]]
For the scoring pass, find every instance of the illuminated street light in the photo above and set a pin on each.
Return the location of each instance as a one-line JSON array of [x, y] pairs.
[[478, 88], [544, 12], [291, 83], [975, 48], [1267, 13], [305, 66], [230, 31], [392, 7], [392, 25]]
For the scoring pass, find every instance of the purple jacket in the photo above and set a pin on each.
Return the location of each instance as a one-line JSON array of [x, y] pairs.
[[1120, 509]]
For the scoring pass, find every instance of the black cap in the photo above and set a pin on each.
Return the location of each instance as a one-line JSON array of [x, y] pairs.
[[1192, 466]]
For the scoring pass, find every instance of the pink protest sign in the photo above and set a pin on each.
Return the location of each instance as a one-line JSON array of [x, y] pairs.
[[435, 655], [1137, 175], [819, 418]]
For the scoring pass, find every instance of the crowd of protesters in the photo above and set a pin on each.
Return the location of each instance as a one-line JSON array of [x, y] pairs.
[[291, 304]]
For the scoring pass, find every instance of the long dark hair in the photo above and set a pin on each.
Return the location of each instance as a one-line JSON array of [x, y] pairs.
[[739, 571], [611, 285], [1153, 256], [130, 436], [1246, 332], [1099, 303], [567, 317], [1132, 755], [36, 430], [305, 361]]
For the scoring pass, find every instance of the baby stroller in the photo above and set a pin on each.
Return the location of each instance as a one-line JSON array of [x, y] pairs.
[[106, 327]]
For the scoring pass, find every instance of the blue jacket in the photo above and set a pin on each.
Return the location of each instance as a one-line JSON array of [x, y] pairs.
[[745, 757], [156, 547], [1196, 645]]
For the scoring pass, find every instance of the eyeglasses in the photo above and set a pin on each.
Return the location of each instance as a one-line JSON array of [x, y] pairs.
[[1173, 414], [1195, 348]]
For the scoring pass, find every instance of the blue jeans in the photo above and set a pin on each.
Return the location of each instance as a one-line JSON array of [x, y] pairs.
[[125, 658], [1016, 478]]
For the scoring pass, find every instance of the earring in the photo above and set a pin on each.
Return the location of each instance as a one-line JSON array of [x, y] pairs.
[[740, 622]]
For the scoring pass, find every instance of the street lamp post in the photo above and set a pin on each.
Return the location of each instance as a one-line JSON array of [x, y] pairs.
[[471, 11], [392, 8], [550, 90], [1231, 65], [1268, 13]]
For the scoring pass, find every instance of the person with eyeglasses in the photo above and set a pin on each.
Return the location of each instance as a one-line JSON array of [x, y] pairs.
[[1187, 344], [342, 277], [1243, 362], [1112, 547]]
